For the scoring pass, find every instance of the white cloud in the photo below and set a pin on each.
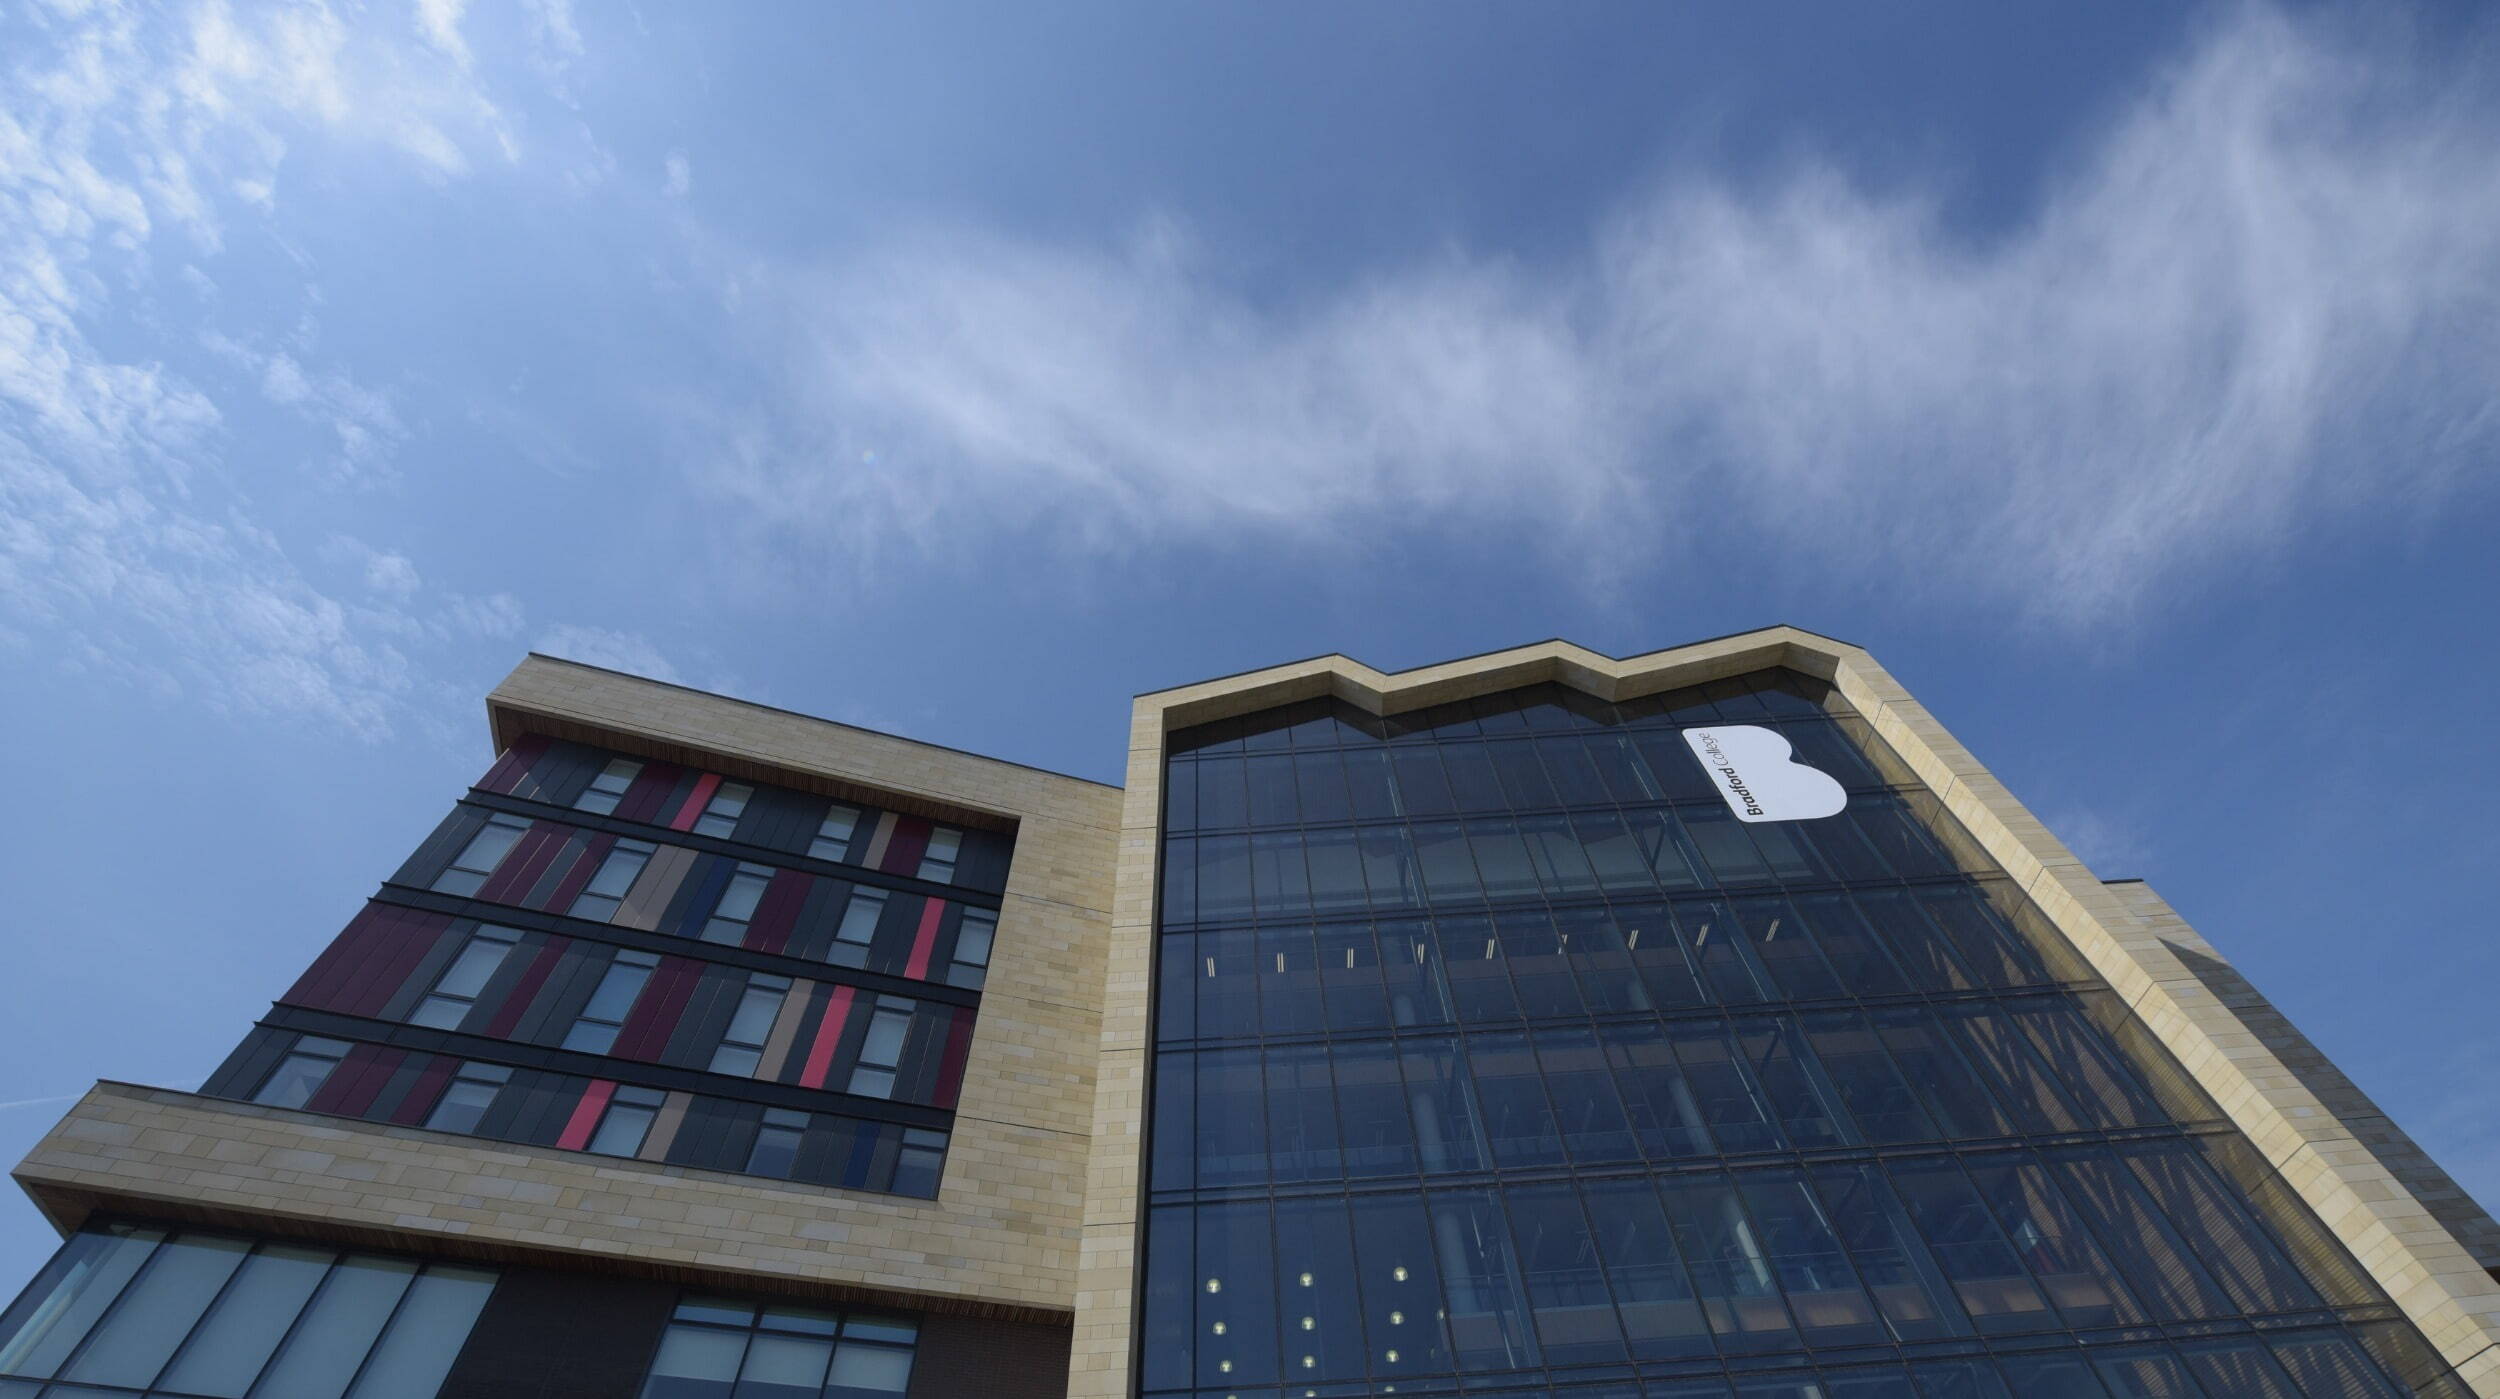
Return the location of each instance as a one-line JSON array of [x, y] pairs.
[[496, 616], [2260, 302], [129, 547], [2114, 848], [680, 176], [382, 571], [616, 650], [361, 421], [439, 21]]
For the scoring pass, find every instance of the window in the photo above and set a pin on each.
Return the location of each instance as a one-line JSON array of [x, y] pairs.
[[301, 1073], [721, 813], [882, 1051], [151, 1311], [728, 923], [457, 990], [859, 928], [742, 1044], [916, 1167], [466, 1098], [484, 851], [972, 949], [776, 1150], [595, 1031], [938, 862], [608, 788], [1917, 1169], [833, 835], [606, 890], [715, 1347], [626, 1121]]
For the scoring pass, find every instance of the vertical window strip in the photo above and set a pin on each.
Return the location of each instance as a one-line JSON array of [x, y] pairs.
[[736, 909], [627, 1121], [466, 1099], [881, 1050], [595, 1029], [969, 965], [937, 862], [721, 811], [605, 892], [303, 1072], [468, 871], [777, 1142], [608, 787], [741, 1050], [857, 933], [454, 993], [833, 834]]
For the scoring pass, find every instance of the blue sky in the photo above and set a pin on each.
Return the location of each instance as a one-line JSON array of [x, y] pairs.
[[2124, 376]]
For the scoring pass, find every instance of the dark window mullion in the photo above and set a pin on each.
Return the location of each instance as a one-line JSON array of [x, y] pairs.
[[174, 1357], [374, 1347], [104, 1318], [312, 1300]]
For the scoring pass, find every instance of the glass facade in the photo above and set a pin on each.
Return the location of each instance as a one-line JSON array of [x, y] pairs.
[[1495, 1054], [133, 1309]]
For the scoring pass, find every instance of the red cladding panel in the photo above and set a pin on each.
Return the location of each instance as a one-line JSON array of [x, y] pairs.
[[369, 1085], [570, 887], [393, 962], [346, 1079], [642, 801], [911, 841], [958, 1049], [656, 1011], [336, 966], [778, 911], [696, 800], [515, 763], [426, 1091], [526, 989], [530, 856], [924, 941], [828, 1038], [585, 1118]]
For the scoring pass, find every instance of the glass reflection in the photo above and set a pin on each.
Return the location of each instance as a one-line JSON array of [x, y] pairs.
[[1491, 1043]]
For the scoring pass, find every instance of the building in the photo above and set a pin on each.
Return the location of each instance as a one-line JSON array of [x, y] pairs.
[[1702, 1025]]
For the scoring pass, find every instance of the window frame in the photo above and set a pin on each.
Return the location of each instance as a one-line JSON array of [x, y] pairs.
[[724, 809], [618, 971], [482, 936], [463, 880], [600, 799]]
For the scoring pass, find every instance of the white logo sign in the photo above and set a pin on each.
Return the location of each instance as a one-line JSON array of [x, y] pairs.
[[1754, 769]]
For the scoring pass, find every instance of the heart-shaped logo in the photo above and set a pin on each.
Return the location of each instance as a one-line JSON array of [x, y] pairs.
[[1756, 771]]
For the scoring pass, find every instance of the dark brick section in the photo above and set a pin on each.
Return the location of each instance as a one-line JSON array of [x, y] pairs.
[[566, 1335], [961, 1357]]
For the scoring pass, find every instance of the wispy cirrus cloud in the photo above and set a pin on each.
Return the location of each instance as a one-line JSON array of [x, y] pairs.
[[2260, 302], [135, 143]]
